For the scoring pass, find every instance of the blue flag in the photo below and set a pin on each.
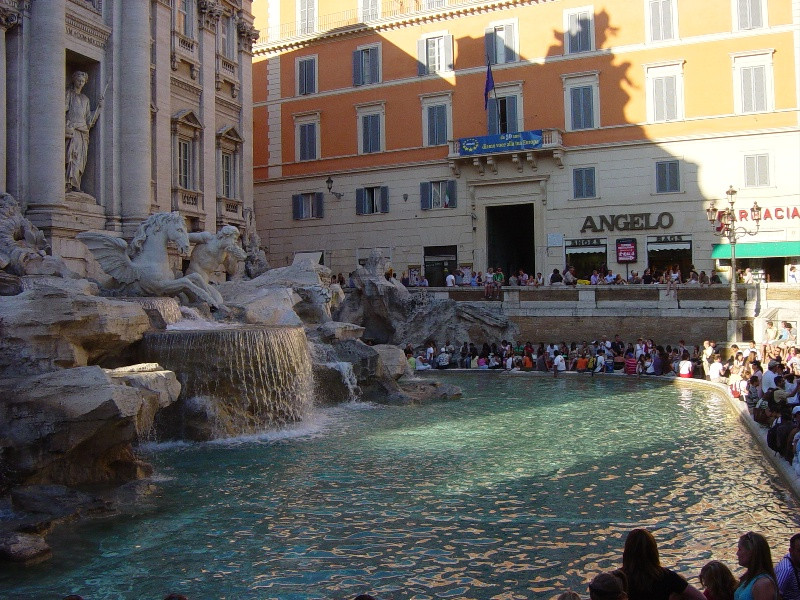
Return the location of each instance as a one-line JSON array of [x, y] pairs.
[[489, 85]]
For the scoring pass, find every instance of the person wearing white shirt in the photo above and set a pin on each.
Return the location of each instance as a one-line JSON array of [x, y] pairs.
[[768, 379], [559, 364], [715, 371], [450, 280]]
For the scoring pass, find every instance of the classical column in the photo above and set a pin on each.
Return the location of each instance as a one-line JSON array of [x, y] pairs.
[[8, 18], [46, 88], [134, 115]]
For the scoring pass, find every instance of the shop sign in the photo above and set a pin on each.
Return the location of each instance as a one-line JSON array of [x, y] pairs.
[[586, 242], [626, 250], [666, 238], [628, 222], [503, 142], [777, 213]]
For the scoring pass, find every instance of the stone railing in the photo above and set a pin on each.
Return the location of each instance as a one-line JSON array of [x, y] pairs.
[[188, 201]]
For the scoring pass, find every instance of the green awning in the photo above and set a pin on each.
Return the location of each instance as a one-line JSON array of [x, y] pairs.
[[757, 250]]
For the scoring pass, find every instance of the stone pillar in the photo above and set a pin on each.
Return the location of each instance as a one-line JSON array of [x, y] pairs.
[[8, 18], [134, 115], [46, 88]]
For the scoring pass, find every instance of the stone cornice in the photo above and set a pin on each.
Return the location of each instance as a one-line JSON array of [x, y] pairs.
[[225, 103], [396, 22], [181, 84], [91, 32]]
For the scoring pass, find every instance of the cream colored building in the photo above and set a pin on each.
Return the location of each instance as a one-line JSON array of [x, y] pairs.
[[175, 128], [640, 114]]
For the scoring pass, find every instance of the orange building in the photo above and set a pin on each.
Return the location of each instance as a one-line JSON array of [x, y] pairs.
[[607, 131]]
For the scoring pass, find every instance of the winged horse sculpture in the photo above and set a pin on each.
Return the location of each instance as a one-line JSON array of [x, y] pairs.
[[142, 268]]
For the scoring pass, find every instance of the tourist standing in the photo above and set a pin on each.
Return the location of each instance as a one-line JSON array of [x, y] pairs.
[[787, 571], [758, 580]]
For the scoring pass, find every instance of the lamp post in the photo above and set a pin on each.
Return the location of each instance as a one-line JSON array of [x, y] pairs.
[[724, 223]]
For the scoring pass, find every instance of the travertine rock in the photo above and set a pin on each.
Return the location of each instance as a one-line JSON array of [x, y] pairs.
[[24, 548], [77, 426], [336, 330], [393, 363], [47, 328]]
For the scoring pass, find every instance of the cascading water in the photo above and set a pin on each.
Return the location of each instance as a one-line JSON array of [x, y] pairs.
[[168, 308], [235, 381], [349, 379]]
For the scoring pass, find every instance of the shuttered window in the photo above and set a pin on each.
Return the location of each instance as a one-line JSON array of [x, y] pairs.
[[667, 177], [661, 20], [582, 107], [500, 43], [308, 206], [665, 107], [579, 32], [434, 54], [366, 66], [437, 125], [437, 194], [754, 92], [583, 184], [756, 170], [503, 116], [750, 15], [372, 200], [307, 76]]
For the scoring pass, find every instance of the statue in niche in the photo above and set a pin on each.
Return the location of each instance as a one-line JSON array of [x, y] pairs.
[[80, 119], [23, 247], [212, 251]]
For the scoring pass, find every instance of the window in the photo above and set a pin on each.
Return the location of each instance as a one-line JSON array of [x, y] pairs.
[[186, 139], [753, 91], [306, 75], [370, 128], [431, 4], [437, 194], [661, 19], [436, 120], [229, 144], [308, 206], [227, 175], [367, 65], [307, 138], [502, 115], [583, 183], [500, 42], [581, 100], [185, 18], [756, 170], [664, 92], [227, 37], [372, 200], [435, 54], [579, 29], [185, 175], [306, 17], [749, 14], [667, 177], [369, 10]]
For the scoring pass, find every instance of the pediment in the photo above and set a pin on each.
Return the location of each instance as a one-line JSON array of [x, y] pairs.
[[188, 118], [230, 133]]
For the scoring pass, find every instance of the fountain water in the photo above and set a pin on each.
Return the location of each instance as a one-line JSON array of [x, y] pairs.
[[349, 380], [256, 377]]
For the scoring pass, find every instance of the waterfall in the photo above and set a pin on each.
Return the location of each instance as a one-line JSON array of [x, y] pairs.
[[235, 381], [168, 308], [349, 380]]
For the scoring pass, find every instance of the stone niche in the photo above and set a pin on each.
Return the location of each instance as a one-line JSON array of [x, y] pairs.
[[91, 180]]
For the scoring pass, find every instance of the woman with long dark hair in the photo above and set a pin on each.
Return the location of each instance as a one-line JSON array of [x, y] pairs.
[[647, 579], [758, 581]]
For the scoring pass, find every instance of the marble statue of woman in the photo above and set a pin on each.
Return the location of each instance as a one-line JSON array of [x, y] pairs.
[[80, 119]]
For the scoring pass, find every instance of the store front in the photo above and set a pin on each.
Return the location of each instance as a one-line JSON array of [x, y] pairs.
[[586, 255], [769, 261], [669, 250], [439, 261]]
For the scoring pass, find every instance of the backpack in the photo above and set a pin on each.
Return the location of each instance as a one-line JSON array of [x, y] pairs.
[[772, 437], [592, 362]]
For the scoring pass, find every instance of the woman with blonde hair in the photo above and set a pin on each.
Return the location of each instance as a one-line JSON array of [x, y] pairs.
[[758, 581], [647, 579]]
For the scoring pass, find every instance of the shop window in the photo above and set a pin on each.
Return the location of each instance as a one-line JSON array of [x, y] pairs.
[[308, 206], [372, 200], [583, 183], [437, 194]]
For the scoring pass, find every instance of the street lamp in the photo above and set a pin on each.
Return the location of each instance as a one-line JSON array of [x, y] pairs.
[[329, 183], [724, 223]]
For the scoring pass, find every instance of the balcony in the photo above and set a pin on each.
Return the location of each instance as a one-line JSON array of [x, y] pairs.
[[229, 211], [519, 148], [188, 202]]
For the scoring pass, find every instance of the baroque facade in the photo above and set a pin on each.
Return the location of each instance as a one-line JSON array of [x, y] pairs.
[[608, 129], [161, 121]]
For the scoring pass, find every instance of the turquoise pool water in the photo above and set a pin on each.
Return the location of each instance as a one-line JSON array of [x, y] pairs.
[[522, 489]]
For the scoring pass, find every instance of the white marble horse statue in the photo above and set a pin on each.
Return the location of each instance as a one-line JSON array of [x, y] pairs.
[[142, 268]]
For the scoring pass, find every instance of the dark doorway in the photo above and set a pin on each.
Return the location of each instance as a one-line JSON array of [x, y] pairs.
[[659, 260], [440, 260], [509, 233]]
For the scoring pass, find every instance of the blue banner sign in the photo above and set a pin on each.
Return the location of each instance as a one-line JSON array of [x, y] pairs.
[[504, 142]]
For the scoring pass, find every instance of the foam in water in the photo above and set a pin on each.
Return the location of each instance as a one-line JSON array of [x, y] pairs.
[[238, 381]]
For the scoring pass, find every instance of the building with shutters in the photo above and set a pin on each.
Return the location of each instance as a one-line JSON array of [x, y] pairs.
[[607, 130], [174, 132]]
